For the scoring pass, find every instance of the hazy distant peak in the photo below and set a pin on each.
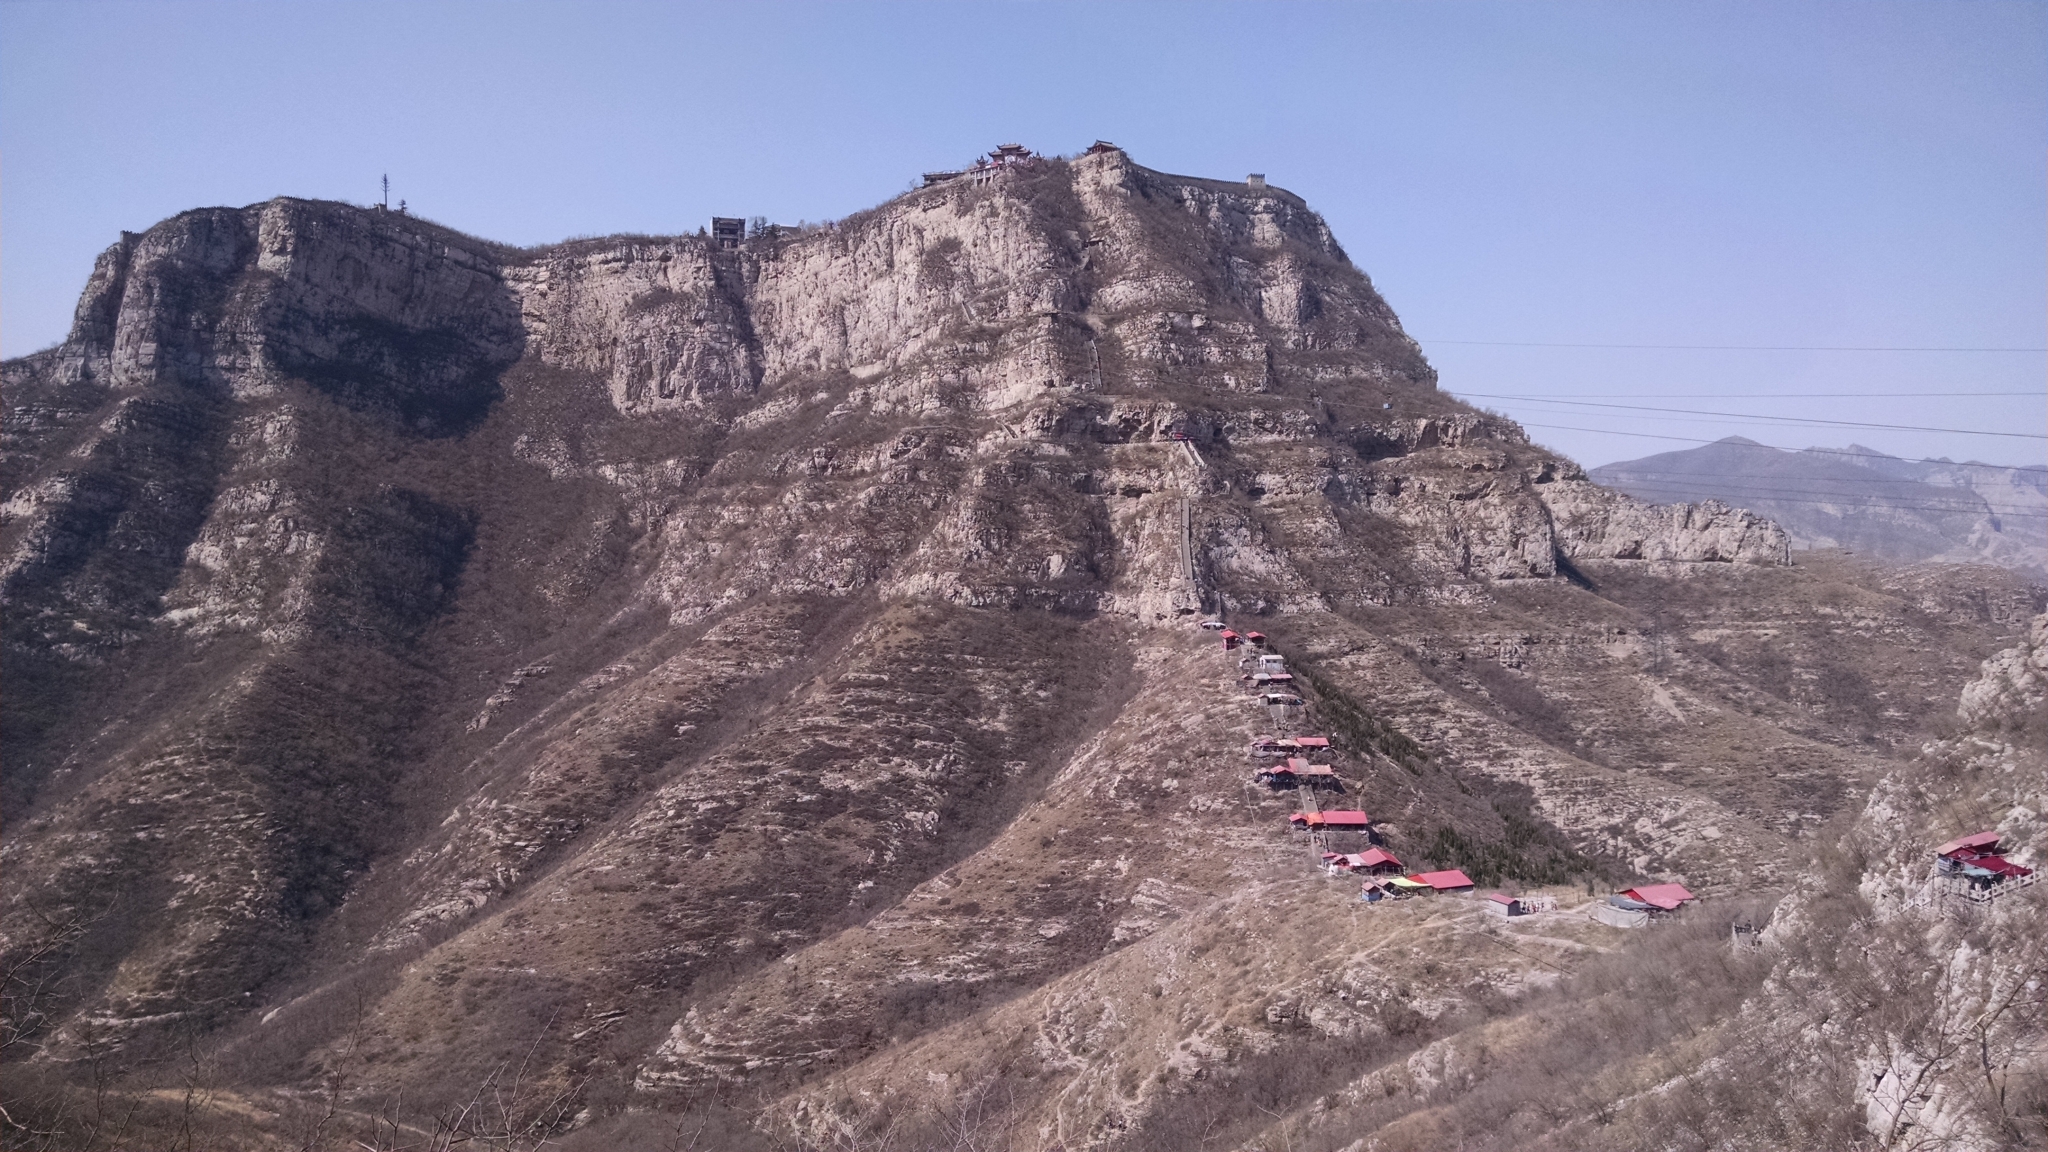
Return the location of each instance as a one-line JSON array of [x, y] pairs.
[[1859, 498]]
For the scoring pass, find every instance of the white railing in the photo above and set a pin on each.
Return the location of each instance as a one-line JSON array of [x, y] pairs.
[[1957, 888]]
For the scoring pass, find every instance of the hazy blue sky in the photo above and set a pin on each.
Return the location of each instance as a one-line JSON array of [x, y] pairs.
[[1856, 174]]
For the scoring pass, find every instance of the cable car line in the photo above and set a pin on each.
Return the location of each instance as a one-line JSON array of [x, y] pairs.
[[1820, 479], [1719, 347], [1701, 440], [1699, 492], [1784, 395], [1799, 420]]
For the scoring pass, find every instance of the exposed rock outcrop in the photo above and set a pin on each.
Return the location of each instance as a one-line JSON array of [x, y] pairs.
[[607, 633]]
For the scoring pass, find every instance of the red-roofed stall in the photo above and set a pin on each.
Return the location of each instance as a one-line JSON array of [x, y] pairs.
[[1980, 844], [1378, 860], [1331, 821], [1501, 904], [1664, 896], [1448, 880]]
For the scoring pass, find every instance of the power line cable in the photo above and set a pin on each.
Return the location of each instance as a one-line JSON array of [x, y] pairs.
[[1680, 480], [1748, 421], [1718, 347], [1706, 492], [1701, 440], [1818, 479], [1789, 395], [1852, 500], [1757, 417]]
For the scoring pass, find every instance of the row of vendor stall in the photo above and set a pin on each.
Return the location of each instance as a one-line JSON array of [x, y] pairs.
[[1266, 672]]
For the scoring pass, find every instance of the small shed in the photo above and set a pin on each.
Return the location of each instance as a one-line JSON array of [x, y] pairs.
[[1258, 639], [1968, 847], [1311, 743], [1663, 897], [1448, 880], [1289, 771], [1270, 746], [1378, 860], [1270, 662], [1269, 679], [1231, 640], [1501, 904], [1277, 776]]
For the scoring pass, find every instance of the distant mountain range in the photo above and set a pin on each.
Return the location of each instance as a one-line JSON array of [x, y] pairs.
[[1861, 499]]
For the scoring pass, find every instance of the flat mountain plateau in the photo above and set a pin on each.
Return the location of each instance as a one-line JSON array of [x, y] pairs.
[[646, 693]]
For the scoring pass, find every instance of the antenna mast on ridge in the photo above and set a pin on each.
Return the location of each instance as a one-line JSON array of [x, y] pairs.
[[387, 191]]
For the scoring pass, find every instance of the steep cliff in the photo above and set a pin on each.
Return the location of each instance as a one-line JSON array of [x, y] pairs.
[[709, 672]]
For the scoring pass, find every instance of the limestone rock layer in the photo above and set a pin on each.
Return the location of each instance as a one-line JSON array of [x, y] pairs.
[[700, 667]]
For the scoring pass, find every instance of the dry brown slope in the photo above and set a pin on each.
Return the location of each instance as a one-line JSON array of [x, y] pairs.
[[547, 643]]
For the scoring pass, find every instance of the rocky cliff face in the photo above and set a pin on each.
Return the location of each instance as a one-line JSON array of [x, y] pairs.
[[718, 672]]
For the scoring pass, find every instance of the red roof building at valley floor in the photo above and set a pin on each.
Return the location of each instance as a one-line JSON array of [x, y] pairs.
[[1665, 896], [1378, 860], [1449, 880]]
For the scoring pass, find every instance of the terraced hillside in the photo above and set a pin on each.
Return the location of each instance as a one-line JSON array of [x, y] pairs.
[[635, 690]]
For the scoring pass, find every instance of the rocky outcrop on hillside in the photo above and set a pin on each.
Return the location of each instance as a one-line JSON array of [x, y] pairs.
[[719, 672], [1915, 1001]]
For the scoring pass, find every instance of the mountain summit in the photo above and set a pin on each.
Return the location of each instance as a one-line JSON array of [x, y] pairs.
[[757, 676], [1863, 499]]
